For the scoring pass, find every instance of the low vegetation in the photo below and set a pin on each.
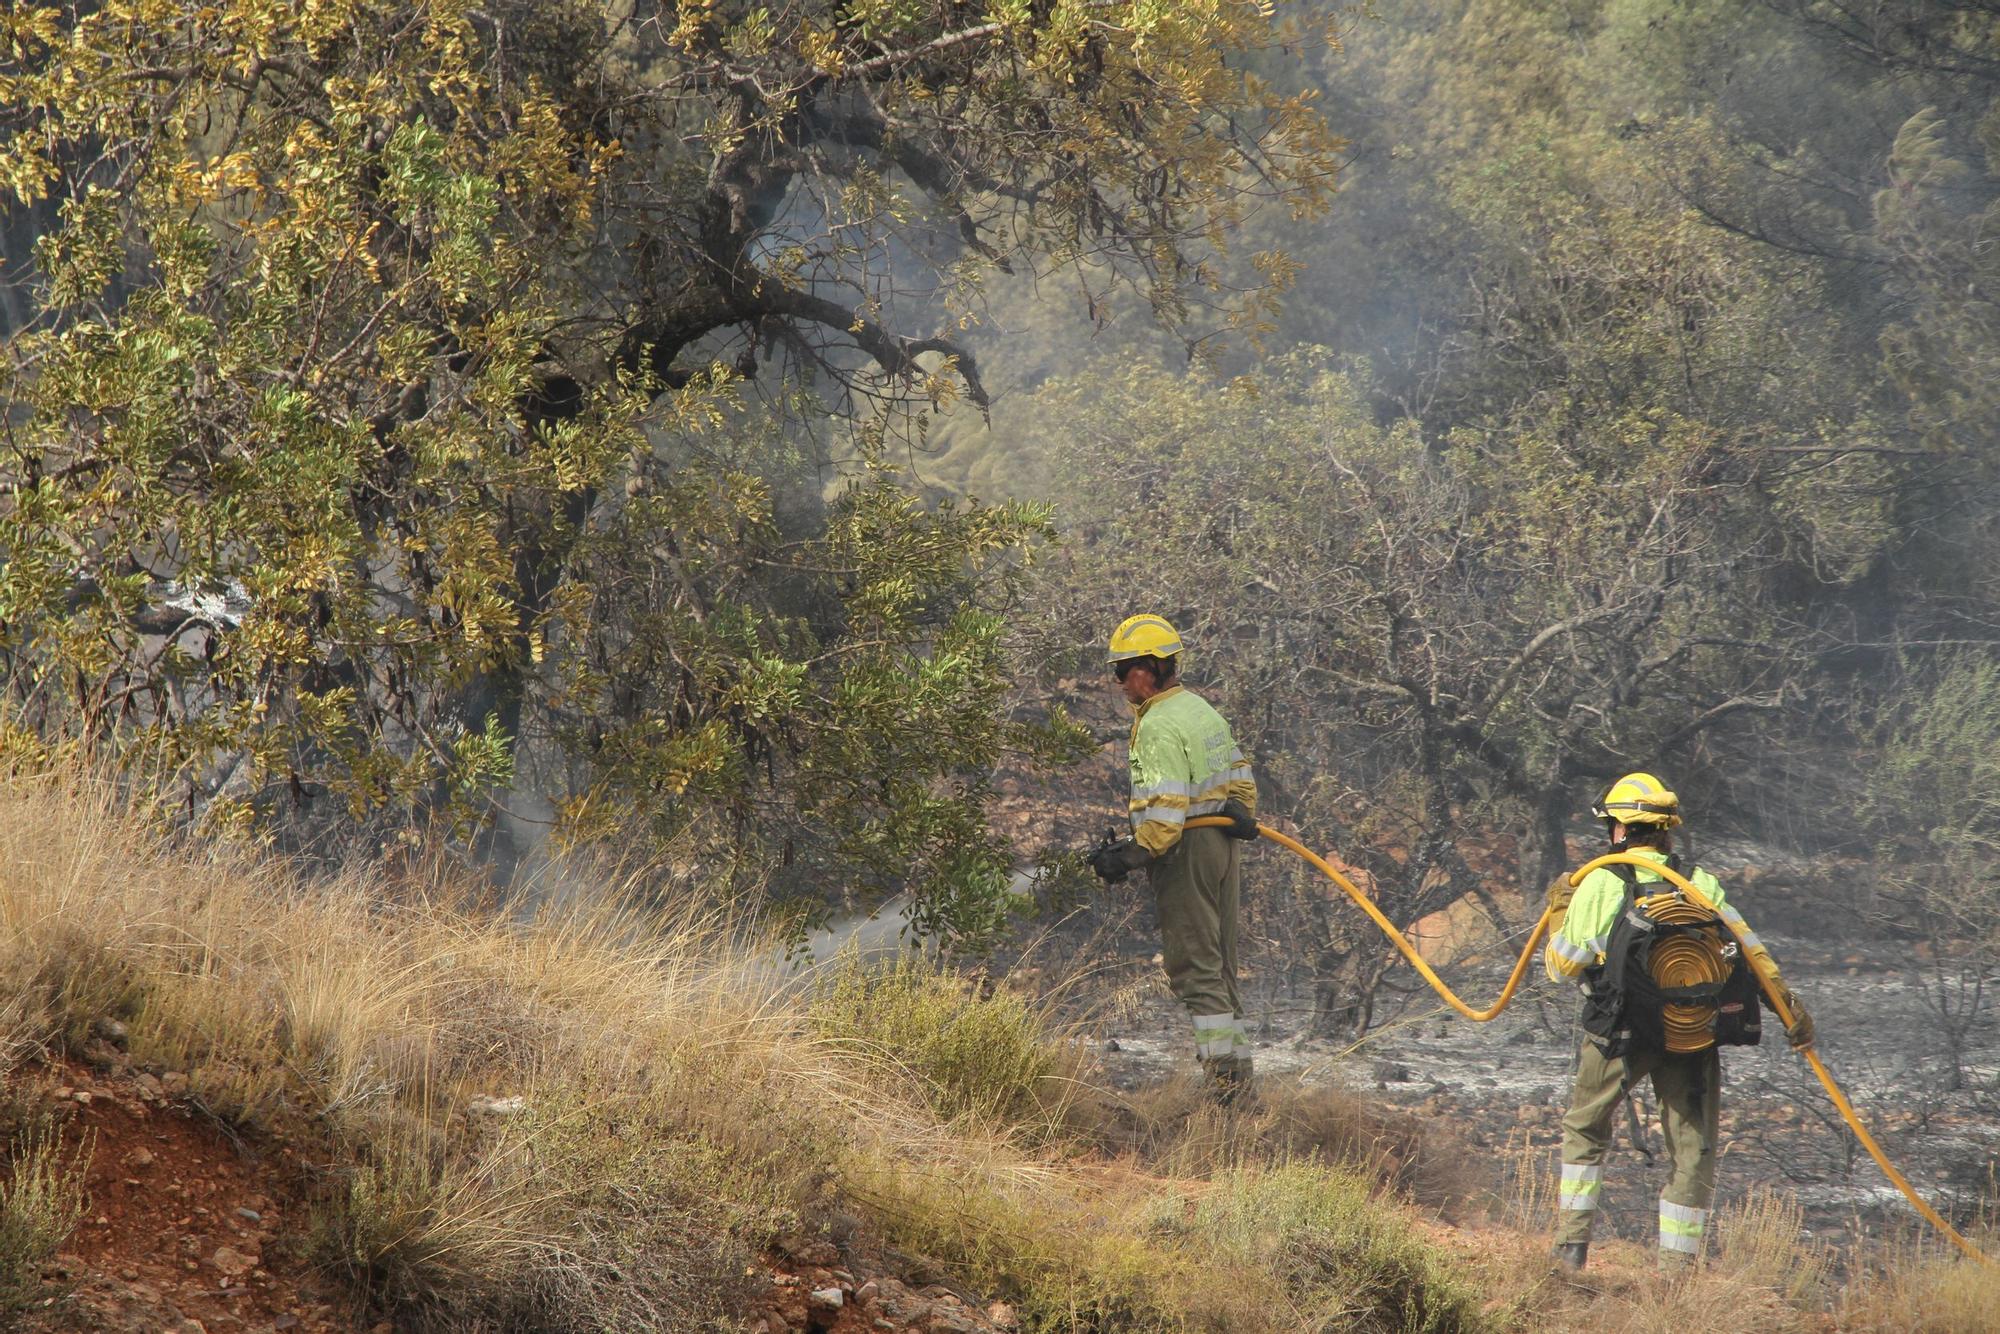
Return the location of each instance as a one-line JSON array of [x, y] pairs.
[[597, 1119], [40, 1203]]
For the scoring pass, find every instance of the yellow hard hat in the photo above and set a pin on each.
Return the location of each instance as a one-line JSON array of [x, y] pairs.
[[1639, 799], [1144, 637]]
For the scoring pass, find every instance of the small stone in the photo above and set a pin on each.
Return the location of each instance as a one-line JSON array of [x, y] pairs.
[[111, 1031], [173, 1083], [81, 1097], [232, 1262], [828, 1299], [129, 1275], [487, 1105], [149, 1086], [1003, 1315], [868, 1291], [809, 1250], [140, 1157], [250, 1215], [285, 1322]]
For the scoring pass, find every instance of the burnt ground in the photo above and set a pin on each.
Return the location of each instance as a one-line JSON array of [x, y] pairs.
[[1504, 1085]]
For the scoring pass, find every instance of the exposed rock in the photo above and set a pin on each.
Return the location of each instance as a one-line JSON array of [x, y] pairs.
[[487, 1105], [828, 1299], [233, 1262], [807, 1250]]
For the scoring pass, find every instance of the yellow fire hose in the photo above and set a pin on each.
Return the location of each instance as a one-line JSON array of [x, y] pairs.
[[1396, 937]]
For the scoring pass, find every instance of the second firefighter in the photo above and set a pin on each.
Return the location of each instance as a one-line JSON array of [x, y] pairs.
[[1185, 763]]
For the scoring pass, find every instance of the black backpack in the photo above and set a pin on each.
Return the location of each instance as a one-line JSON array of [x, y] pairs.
[[1625, 1006]]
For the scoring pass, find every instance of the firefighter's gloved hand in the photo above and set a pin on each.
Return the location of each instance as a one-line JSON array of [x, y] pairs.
[[1800, 1031], [1119, 860], [1560, 893], [1242, 824]]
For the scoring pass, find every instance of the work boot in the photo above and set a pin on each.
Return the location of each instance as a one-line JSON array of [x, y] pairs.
[[1570, 1255], [1676, 1262], [1229, 1081]]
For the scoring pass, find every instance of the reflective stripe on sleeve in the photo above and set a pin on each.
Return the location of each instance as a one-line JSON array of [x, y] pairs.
[[1743, 931], [1570, 951], [1167, 815], [1579, 1188]]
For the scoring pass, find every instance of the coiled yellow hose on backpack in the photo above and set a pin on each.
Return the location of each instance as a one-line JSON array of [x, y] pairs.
[[1695, 896], [1685, 961]]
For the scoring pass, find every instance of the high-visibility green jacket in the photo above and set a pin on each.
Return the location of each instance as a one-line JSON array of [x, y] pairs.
[[1184, 763], [1577, 941]]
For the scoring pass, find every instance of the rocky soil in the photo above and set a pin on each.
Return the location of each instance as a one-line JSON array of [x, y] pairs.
[[187, 1229], [193, 1229]]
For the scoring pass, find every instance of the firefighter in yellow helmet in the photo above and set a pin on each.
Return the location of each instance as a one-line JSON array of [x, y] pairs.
[[1185, 763], [1601, 937]]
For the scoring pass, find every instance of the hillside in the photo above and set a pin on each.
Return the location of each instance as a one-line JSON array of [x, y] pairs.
[[241, 1099]]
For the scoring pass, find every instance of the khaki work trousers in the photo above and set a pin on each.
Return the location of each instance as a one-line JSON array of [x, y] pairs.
[[1689, 1088], [1197, 886]]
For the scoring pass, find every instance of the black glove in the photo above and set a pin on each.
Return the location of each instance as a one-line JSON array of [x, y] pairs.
[[1114, 861], [1242, 824]]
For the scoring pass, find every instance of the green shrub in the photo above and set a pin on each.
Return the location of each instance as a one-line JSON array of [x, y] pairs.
[[988, 1055], [1348, 1261]]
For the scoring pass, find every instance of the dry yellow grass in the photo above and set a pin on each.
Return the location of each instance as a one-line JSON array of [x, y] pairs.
[[1923, 1288], [679, 1102]]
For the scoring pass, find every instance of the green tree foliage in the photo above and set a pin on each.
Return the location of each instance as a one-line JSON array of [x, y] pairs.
[[376, 429]]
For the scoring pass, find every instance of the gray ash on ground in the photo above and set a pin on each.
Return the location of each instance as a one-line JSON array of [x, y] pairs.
[[1504, 1086]]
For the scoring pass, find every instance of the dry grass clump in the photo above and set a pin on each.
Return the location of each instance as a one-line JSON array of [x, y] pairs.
[[1925, 1288], [330, 1013], [1175, 1129], [593, 1119], [41, 1202]]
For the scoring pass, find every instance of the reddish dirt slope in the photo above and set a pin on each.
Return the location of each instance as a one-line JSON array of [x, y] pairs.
[[186, 1229]]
